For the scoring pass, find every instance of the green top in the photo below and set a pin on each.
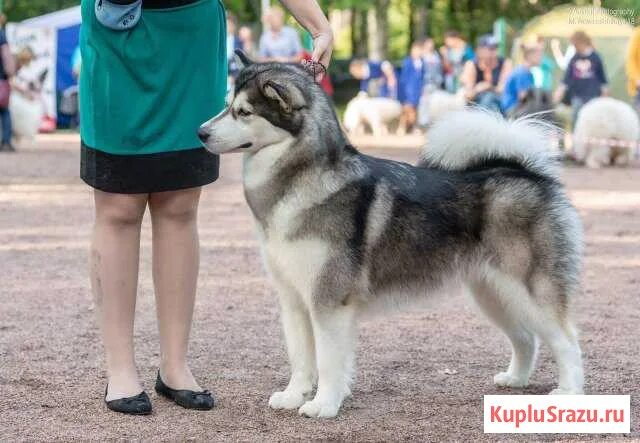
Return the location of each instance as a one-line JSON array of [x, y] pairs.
[[148, 89]]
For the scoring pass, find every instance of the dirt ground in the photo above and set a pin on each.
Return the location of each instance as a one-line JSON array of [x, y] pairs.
[[422, 373]]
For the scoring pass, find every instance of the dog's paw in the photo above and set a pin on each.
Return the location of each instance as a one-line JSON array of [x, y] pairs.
[[286, 399], [319, 409], [565, 391], [510, 381]]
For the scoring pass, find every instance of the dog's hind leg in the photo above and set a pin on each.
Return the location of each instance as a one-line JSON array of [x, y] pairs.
[[541, 311], [300, 348], [568, 356], [554, 327], [490, 297], [334, 330]]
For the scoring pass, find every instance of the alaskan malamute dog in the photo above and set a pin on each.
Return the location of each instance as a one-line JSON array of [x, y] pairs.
[[342, 231]]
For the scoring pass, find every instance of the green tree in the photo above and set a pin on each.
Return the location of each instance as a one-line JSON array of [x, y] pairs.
[[18, 10]]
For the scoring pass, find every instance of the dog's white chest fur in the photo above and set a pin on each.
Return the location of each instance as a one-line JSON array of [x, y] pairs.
[[296, 263], [291, 261]]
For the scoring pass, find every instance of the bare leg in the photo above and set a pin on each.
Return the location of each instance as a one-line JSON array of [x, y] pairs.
[[300, 348], [176, 259], [409, 117], [115, 253], [335, 332]]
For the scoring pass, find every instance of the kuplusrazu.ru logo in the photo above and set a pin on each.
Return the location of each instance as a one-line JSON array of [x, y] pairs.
[[603, 16]]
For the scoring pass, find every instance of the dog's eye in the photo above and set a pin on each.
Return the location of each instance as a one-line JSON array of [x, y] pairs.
[[243, 112]]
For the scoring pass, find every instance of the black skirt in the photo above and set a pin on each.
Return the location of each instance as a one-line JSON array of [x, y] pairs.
[[142, 174]]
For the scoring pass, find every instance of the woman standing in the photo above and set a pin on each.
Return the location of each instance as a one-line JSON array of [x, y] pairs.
[[153, 71]]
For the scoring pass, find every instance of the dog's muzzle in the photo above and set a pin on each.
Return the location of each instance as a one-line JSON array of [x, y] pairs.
[[203, 134]]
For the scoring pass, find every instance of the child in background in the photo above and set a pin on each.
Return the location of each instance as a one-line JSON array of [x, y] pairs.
[[521, 80], [410, 85], [455, 53], [378, 79], [433, 77], [543, 73], [585, 77]]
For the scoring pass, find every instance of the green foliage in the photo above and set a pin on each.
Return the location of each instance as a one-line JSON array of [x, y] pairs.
[[17, 10], [471, 17], [399, 24], [247, 11]]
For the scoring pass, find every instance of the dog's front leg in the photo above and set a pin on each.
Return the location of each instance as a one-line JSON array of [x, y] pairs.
[[300, 348], [334, 331]]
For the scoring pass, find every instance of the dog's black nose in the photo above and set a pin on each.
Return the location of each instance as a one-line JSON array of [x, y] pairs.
[[203, 135]]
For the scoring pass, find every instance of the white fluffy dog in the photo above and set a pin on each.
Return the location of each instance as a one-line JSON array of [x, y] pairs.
[[436, 104], [26, 116], [376, 112], [601, 121]]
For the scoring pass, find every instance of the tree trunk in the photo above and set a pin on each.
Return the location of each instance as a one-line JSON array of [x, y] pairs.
[[412, 23], [353, 23], [379, 30], [420, 23], [361, 33]]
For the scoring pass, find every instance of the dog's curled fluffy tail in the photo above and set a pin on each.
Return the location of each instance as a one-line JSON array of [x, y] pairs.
[[472, 138]]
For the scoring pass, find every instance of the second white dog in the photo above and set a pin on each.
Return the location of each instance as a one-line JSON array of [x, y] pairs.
[[376, 112], [603, 119]]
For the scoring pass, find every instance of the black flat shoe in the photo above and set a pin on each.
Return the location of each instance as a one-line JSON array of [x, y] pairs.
[[201, 401], [137, 405]]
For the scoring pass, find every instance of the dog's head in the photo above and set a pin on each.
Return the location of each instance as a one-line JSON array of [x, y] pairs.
[[271, 103]]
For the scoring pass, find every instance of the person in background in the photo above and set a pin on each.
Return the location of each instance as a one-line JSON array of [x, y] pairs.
[[562, 58], [455, 53], [24, 82], [7, 70], [245, 35], [378, 79], [433, 74], [584, 78], [521, 80], [69, 101], [76, 63], [484, 78], [633, 67], [278, 43], [543, 72], [233, 43], [410, 85]]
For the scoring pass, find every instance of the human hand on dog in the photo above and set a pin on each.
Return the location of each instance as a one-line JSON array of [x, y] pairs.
[[311, 17], [322, 49]]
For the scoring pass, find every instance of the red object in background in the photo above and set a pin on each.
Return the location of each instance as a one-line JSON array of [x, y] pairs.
[[325, 83], [47, 125]]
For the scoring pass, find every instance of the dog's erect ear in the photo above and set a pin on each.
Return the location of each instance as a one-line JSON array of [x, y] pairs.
[[287, 97], [242, 59]]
